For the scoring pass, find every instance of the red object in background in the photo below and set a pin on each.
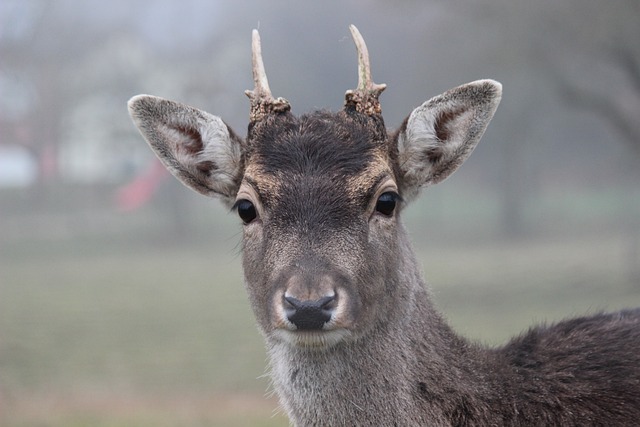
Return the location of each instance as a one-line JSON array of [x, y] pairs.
[[48, 163], [140, 191]]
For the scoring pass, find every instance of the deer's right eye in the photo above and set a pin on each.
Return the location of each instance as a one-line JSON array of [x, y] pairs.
[[386, 203], [246, 210]]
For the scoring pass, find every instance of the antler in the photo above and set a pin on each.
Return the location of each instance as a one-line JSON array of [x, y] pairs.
[[262, 102], [365, 98]]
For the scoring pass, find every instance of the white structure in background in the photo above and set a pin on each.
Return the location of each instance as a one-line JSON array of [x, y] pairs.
[[18, 167], [95, 149]]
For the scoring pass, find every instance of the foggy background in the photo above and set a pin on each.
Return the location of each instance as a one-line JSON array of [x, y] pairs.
[[121, 295]]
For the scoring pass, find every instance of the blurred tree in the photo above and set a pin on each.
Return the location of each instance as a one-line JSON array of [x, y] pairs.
[[604, 40], [602, 75], [583, 51]]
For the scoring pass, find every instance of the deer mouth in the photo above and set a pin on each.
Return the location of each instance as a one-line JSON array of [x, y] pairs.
[[313, 339]]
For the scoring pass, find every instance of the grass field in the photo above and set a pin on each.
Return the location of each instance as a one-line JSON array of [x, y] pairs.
[[94, 333]]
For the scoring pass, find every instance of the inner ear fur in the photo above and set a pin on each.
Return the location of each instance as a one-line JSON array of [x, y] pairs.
[[439, 135], [198, 148]]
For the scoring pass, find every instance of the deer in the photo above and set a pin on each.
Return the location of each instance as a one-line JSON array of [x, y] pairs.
[[351, 331]]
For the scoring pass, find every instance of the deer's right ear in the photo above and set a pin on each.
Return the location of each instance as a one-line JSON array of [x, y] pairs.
[[196, 147], [439, 136]]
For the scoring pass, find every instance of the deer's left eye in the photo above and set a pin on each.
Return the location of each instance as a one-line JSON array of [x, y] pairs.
[[386, 203], [246, 210]]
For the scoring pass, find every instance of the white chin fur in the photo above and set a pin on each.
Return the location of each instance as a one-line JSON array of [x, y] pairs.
[[312, 339]]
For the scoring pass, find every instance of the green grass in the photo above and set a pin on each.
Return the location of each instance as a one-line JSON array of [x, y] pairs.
[[492, 292], [118, 410], [157, 323], [96, 333]]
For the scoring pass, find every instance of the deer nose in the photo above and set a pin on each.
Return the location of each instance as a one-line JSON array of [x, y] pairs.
[[309, 315]]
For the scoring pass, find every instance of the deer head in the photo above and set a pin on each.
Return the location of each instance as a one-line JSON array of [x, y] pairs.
[[320, 195]]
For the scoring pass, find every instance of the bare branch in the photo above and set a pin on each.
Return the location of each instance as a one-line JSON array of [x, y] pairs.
[[628, 62], [606, 108]]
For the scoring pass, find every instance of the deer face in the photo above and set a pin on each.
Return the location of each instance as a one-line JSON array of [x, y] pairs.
[[319, 202], [319, 196]]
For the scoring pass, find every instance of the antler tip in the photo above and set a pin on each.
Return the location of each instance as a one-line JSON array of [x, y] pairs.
[[259, 75], [354, 31]]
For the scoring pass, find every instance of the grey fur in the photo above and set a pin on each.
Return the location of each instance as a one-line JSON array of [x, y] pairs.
[[386, 357]]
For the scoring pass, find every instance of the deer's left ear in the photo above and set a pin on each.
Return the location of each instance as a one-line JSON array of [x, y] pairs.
[[438, 136]]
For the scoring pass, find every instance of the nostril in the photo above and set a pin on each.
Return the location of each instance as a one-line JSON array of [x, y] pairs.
[[291, 302], [324, 303], [327, 302], [309, 314]]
